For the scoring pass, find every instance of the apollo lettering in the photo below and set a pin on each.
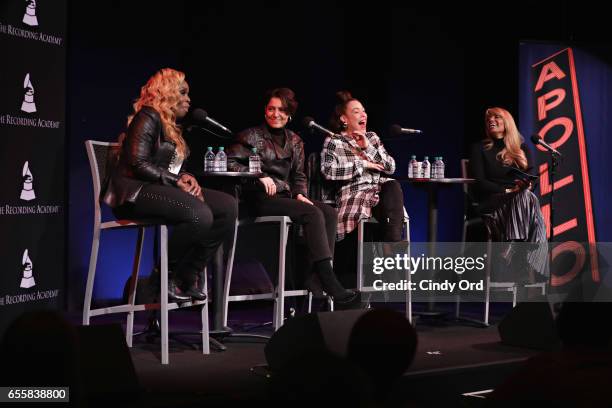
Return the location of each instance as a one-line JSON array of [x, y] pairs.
[[558, 114]]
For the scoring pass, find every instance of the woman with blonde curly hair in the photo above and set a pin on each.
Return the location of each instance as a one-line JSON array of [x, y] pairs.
[[148, 183], [510, 210]]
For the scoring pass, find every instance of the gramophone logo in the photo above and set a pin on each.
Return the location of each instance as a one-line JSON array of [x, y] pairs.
[[28, 280], [29, 17], [27, 192], [28, 104]]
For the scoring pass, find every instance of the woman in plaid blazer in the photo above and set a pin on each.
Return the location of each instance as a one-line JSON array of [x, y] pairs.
[[358, 159]]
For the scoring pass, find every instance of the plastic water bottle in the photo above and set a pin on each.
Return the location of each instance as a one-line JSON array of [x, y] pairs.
[[413, 167], [254, 161], [434, 168], [221, 160], [441, 168], [209, 160], [426, 172]]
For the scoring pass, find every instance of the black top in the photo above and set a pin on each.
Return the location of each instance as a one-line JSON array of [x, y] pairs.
[[491, 175], [144, 157], [282, 160], [278, 135]]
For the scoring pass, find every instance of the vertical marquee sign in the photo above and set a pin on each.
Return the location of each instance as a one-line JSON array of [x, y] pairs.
[[558, 121], [32, 157]]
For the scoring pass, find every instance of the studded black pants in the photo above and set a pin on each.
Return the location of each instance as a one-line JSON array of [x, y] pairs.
[[198, 228]]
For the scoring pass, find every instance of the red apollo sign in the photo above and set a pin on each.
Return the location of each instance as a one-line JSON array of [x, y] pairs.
[[559, 123]]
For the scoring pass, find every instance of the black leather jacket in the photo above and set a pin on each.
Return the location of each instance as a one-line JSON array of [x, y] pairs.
[[144, 158], [285, 165]]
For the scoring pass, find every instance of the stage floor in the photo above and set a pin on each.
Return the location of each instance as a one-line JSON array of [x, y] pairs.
[[452, 358]]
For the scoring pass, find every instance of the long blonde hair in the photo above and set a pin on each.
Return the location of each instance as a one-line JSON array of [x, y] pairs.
[[161, 92], [511, 154]]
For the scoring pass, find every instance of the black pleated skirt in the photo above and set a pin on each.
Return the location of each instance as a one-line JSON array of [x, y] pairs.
[[517, 217]]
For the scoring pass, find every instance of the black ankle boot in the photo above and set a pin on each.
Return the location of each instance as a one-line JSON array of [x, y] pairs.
[[173, 295], [313, 285], [195, 293], [330, 283]]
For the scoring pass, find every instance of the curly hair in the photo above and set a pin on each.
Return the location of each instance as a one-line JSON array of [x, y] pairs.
[[342, 100], [511, 154], [161, 92]]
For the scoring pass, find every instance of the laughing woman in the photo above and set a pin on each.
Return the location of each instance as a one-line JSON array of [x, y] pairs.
[[510, 210], [358, 157]]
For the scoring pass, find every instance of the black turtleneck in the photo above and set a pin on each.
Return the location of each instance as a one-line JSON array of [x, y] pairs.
[[278, 135], [491, 175]]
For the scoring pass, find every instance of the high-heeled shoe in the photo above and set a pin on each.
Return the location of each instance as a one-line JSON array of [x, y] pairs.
[[195, 293], [331, 285], [313, 285], [174, 296]]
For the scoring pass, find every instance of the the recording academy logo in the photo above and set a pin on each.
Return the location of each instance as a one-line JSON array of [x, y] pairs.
[[28, 295], [30, 22], [28, 279], [28, 104], [29, 17], [27, 192]]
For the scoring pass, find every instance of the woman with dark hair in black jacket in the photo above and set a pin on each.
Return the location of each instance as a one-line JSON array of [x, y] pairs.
[[282, 189], [148, 183]]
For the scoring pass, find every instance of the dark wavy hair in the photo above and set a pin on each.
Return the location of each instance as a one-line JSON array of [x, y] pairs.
[[342, 99], [286, 96]]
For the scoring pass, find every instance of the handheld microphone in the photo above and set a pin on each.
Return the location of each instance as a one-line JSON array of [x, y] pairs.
[[536, 139], [310, 123], [397, 130], [200, 115]]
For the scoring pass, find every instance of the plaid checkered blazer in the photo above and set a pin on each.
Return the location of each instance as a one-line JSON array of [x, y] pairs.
[[343, 160]]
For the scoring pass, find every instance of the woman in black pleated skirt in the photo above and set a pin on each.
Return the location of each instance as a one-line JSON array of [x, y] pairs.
[[510, 209]]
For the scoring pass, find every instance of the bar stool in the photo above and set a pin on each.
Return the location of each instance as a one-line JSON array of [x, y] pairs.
[[99, 153]]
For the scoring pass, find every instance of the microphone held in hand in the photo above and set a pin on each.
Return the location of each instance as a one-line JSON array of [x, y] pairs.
[[397, 130], [199, 116], [537, 140], [311, 124]]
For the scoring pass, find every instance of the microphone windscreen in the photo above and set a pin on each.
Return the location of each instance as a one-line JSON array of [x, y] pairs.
[[307, 121], [199, 115], [396, 130], [535, 139]]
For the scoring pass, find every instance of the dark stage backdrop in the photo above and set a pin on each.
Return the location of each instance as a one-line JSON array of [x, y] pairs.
[[406, 66], [32, 159], [432, 67], [564, 98]]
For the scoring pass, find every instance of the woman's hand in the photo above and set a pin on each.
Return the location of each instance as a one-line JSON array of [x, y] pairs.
[[360, 139], [523, 184], [269, 185], [373, 166], [303, 199], [519, 185], [190, 185]]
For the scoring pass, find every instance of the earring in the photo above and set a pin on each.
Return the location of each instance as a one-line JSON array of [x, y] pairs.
[[289, 118], [343, 125]]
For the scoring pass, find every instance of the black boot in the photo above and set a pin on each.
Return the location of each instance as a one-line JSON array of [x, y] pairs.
[[195, 293], [313, 285], [173, 295], [331, 285], [188, 282]]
